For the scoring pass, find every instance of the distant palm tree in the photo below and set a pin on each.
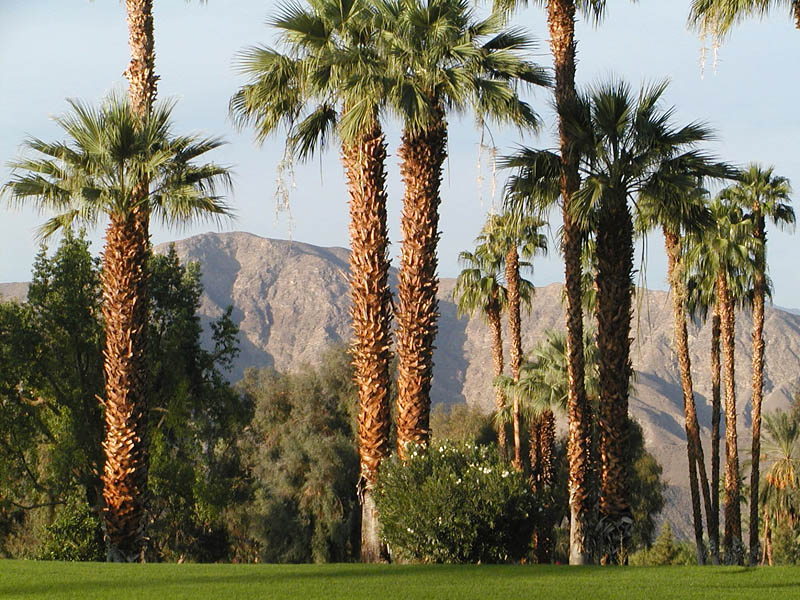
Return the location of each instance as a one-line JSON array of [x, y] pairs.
[[766, 197], [97, 172], [781, 483], [333, 82], [674, 214], [722, 253], [479, 290], [443, 58], [511, 236]]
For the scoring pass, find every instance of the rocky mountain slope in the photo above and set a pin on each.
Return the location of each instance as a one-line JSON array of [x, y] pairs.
[[290, 300]]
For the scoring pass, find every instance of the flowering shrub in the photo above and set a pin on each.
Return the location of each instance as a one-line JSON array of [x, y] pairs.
[[454, 502]]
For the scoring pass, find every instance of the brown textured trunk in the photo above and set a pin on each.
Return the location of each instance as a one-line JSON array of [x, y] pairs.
[[759, 291], [796, 22], [124, 280], [614, 299], [422, 154], [694, 446], [370, 310], [561, 24], [732, 541], [515, 336], [127, 243], [495, 324], [715, 419], [543, 436]]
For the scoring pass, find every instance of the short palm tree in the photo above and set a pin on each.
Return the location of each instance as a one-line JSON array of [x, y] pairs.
[[778, 497], [332, 81], [766, 197], [513, 236], [674, 214], [96, 173], [442, 58], [479, 290], [722, 254]]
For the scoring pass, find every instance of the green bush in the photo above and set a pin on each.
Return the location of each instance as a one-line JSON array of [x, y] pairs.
[[74, 534], [454, 503], [665, 551]]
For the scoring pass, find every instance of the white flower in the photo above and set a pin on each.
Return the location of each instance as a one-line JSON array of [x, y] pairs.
[[505, 474], [458, 480], [410, 530], [487, 470]]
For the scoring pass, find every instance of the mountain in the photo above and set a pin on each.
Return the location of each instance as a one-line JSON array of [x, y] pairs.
[[290, 300]]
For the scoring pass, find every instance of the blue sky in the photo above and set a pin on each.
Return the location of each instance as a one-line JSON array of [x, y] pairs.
[[51, 50]]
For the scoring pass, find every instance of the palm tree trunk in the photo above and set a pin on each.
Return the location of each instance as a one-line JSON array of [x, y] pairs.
[[715, 419], [124, 280], [422, 155], [759, 292], [561, 24], [371, 313], [543, 436], [515, 335], [141, 70], [694, 446], [732, 541], [614, 306], [493, 316]]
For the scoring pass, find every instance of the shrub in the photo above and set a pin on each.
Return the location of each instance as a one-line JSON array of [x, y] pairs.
[[74, 534], [665, 551], [454, 503]]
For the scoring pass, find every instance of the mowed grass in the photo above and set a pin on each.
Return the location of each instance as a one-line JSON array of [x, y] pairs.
[[89, 581]]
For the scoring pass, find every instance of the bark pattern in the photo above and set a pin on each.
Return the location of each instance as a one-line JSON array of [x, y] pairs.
[[515, 338], [561, 25], [370, 311], [716, 412], [614, 312], [694, 446], [732, 541], [422, 155], [759, 292], [125, 494], [141, 73], [496, 326]]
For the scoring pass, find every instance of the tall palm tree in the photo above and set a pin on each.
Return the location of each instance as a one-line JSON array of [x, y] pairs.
[[766, 197], [513, 236], [96, 173], [722, 253], [442, 58], [719, 16], [332, 81], [479, 290], [778, 495], [628, 147], [561, 25], [675, 214]]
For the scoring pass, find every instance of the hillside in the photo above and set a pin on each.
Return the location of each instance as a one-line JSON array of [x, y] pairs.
[[291, 299]]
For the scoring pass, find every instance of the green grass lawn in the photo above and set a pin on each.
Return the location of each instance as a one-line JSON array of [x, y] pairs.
[[88, 581]]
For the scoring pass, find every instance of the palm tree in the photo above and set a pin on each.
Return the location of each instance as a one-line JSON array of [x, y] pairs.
[[511, 236], [332, 82], [478, 291], [561, 25], [96, 173], [765, 196], [719, 16], [628, 148], [542, 388], [442, 58], [722, 253], [675, 214], [778, 495]]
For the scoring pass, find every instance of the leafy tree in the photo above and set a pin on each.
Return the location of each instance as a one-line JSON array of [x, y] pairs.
[[301, 456]]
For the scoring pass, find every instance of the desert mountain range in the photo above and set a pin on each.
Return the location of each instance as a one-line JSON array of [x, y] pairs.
[[290, 300]]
